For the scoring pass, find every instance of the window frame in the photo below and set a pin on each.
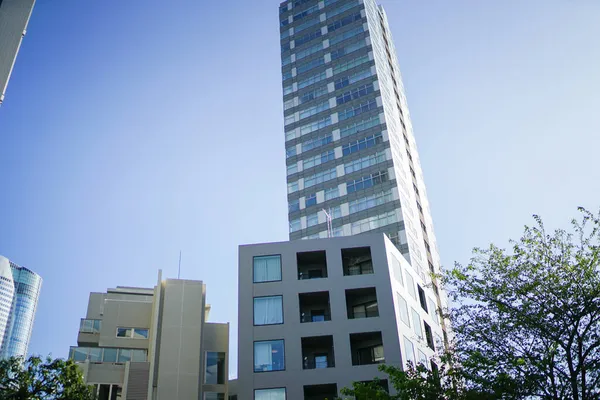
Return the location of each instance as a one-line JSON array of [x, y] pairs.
[[254, 355], [254, 310], [280, 268]]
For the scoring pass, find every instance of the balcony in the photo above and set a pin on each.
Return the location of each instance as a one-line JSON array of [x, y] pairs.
[[317, 352], [321, 392], [367, 348], [314, 307], [89, 332], [362, 303], [312, 265], [107, 354], [357, 261]]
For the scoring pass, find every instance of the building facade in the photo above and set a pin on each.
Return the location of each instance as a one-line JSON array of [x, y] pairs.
[[23, 305], [352, 160], [153, 343], [317, 315], [14, 17]]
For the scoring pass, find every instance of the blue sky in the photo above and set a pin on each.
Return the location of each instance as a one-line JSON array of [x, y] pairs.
[[135, 129]]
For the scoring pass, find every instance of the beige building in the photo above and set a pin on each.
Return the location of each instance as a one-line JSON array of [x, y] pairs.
[[153, 343]]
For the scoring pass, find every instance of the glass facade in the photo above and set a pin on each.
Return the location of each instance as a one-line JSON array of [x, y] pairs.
[[348, 130], [17, 334]]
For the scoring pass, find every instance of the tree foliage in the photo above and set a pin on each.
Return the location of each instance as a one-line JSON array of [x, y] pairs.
[[527, 322], [37, 379]]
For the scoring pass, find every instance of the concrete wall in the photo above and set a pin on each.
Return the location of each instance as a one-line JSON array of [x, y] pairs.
[[179, 349], [340, 327], [14, 16]]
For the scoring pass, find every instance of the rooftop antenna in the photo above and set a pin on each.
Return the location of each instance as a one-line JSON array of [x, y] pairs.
[[329, 228], [179, 270]]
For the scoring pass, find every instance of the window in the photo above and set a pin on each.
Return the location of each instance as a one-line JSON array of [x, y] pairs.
[[308, 51], [313, 94], [307, 37], [353, 78], [429, 336], [366, 348], [357, 110], [268, 310], [308, 65], [124, 355], [311, 200], [332, 193], [267, 268], [360, 126], [422, 298], [397, 270], [318, 159], [423, 359], [346, 35], [215, 368], [410, 285], [294, 205], [214, 396], [107, 354], [124, 332], [140, 333], [364, 162], [320, 177], [343, 22], [417, 323], [292, 169], [354, 94], [366, 181], [348, 49], [362, 144], [344, 66], [295, 225], [293, 187], [362, 303], [288, 104], [269, 356], [270, 394], [308, 112], [433, 311], [290, 151], [342, 8], [110, 355], [409, 351], [357, 261], [312, 220], [135, 333], [307, 25], [315, 126], [306, 12], [370, 223], [403, 309]]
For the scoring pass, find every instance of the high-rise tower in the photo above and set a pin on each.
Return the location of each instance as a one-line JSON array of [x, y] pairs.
[[350, 149], [14, 17], [22, 308]]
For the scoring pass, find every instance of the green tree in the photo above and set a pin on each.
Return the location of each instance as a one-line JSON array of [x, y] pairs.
[[419, 383], [37, 379], [527, 321]]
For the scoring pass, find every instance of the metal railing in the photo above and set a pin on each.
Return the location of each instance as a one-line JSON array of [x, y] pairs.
[[317, 364], [315, 318]]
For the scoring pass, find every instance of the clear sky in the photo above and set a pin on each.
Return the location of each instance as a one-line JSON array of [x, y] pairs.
[[135, 129]]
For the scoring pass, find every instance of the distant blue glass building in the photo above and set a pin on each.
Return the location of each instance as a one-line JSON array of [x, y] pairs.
[[19, 324]]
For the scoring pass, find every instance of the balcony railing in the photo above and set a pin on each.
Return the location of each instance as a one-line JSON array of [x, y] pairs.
[[315, 318], [318, 364], [90, 325], [365, 314]]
